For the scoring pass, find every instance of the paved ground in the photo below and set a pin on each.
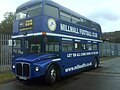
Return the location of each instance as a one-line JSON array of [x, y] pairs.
[[106, 77]]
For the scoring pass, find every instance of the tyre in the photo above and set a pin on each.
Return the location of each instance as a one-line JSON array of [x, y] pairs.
[[51, 75], [95, 63]]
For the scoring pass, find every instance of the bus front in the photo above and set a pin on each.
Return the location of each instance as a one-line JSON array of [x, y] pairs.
[[31, 53]]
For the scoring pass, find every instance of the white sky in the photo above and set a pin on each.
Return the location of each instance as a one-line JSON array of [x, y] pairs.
[[104, 12]]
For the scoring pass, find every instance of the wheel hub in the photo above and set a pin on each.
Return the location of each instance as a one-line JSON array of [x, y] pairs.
[[53, 74]]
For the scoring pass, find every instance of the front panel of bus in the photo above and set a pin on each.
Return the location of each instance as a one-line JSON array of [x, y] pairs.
[[28, 20]]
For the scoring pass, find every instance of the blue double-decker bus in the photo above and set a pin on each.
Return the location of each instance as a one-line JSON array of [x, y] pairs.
[[52, 41]]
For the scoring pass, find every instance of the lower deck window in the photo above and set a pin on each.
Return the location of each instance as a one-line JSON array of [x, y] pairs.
[[94, 47], [66, 46], [89, 47], [77, 46], [84, 46], [52, 47]]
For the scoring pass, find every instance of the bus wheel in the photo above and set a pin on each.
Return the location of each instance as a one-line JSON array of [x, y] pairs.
[[95, 63], [51, 75]]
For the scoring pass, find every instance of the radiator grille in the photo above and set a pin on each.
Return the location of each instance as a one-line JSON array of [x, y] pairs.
[[22, 69], [25, 70], [19, 69]]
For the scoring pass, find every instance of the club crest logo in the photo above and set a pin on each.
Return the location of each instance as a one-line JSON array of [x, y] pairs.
[[52, 24]]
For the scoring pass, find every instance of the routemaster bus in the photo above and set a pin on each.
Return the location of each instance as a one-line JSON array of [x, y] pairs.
[[52, 41]]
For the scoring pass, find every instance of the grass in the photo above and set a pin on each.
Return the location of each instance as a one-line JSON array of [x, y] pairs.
[[5, 76]]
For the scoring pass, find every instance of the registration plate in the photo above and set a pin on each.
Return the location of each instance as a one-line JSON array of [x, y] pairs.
[[23, 78]]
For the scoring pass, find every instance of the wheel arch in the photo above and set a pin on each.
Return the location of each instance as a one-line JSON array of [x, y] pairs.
[[97, 58], [56, 65], [95, 62]]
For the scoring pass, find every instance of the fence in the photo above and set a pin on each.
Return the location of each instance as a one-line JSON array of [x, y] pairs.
[[5, 52], [109, 49]]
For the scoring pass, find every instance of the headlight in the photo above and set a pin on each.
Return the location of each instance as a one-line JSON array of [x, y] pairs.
[[36, 69], [13, 66], [12, 56]]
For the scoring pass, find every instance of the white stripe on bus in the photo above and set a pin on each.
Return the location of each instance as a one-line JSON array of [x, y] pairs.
[[54, 34], [74, 37], [20, 36], [58, 59]]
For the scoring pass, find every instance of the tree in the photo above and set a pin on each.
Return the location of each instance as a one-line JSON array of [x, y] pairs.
[[6, 25]]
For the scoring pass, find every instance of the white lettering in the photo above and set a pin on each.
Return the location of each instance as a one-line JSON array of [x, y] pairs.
[[74, 55], [81, 54], [78, 67], [63, 27], [75, 30], [69, 55]]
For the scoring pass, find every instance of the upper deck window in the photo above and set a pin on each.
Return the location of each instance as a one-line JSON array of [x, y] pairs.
[[65, 16], [93, 26], [88, 23], [34, 11], [75, 20], [96, 27], [21, 15], [82, 21], [51, 11], [29, 12]]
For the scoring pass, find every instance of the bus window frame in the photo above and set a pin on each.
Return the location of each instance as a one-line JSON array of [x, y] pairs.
[[58, 16], [79, 46], [63, 13], [27, 11], [75, 20], [67, 42], [37, 6]]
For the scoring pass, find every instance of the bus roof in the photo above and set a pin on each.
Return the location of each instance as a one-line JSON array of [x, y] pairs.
[[28, 4], [34, 2]]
